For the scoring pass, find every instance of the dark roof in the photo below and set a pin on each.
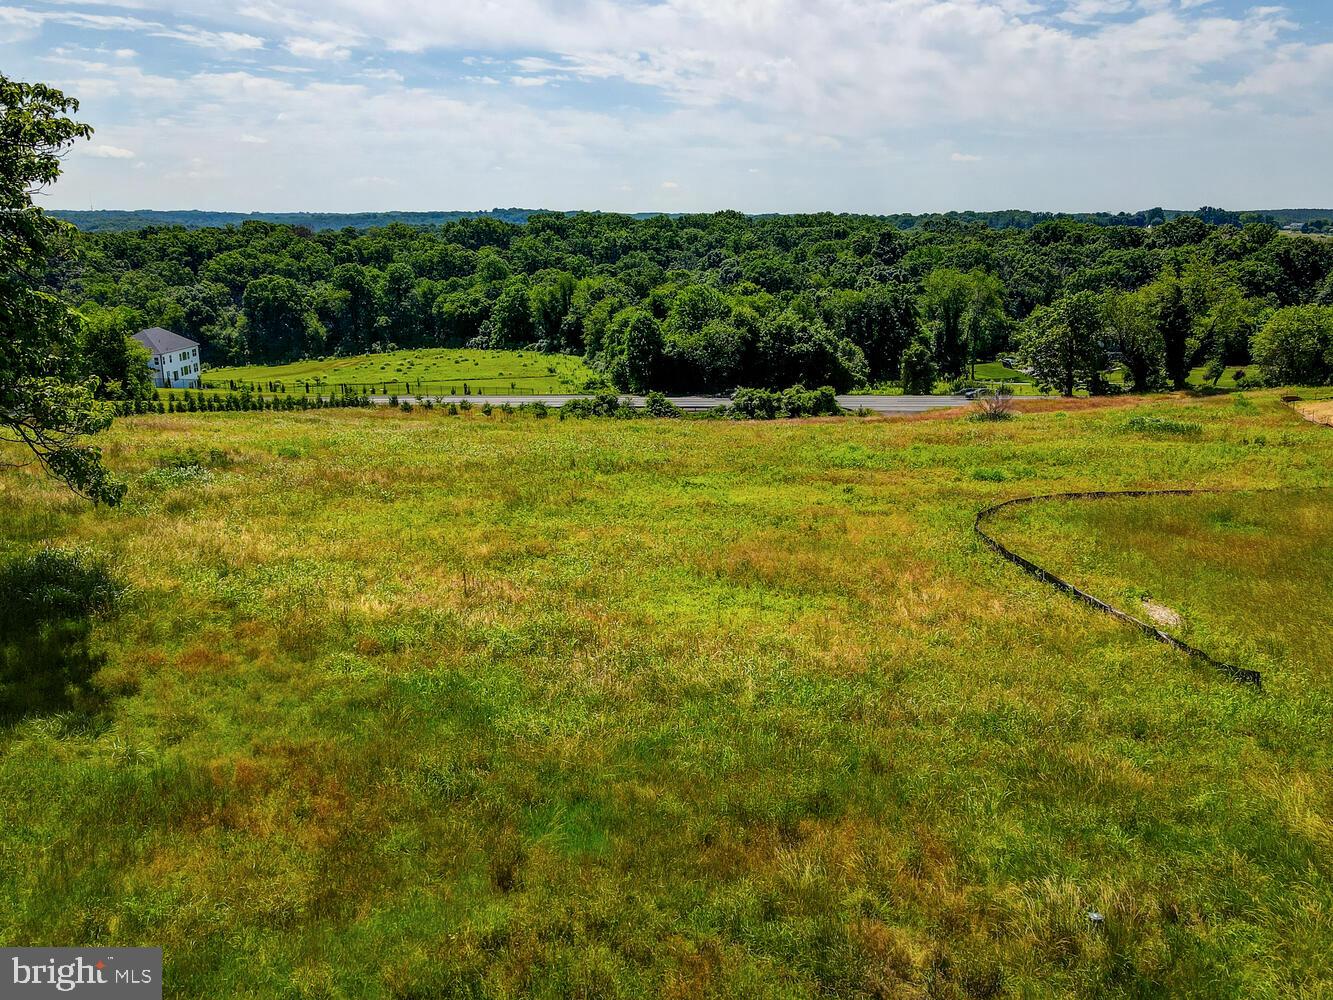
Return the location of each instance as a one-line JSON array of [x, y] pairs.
[[161, 341]]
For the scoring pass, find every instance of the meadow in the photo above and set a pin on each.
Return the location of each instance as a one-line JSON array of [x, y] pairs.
[[419, 705], [435, 370]]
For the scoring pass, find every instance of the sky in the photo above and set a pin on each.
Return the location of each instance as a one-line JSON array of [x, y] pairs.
[[686, 105]]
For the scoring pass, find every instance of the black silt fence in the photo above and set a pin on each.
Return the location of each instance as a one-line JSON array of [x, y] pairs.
[[1239, 674]]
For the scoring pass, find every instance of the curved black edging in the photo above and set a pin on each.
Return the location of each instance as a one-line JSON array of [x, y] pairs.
[[1239, 674]]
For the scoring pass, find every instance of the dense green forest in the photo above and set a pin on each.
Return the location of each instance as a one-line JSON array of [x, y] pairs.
[[713, 302], [116, 220]]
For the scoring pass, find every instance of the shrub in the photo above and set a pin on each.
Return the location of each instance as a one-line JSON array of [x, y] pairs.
[[657, 405], [755, 404], [796, 401], [603, 404], [405, 406], [996, 405]]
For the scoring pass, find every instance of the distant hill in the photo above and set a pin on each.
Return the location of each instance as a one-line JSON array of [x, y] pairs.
[[114, 220], [117, 220]]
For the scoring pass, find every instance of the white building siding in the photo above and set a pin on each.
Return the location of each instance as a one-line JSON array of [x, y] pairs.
[[177, 369]]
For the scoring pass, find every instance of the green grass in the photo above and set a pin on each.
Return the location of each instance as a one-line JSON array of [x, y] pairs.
[[1258, 589], [415, 705], [436, 370], [994, 371], [1199, 378]]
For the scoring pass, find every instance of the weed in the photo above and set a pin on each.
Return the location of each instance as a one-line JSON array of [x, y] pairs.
[[1163, 426]]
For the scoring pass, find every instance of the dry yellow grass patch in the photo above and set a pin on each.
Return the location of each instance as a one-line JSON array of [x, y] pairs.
[[1320, 411]]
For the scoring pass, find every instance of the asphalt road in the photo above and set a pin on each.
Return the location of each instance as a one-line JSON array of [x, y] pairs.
[[876, 404]]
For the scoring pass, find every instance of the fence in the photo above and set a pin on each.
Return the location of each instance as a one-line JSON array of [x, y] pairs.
[[400, 387], [1240, 674]]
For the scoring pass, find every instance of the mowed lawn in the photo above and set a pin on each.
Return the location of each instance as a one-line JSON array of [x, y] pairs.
[[418, 705], [438, 370]]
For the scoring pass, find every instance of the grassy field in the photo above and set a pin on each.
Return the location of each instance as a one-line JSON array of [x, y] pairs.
[[436, 370], [1245, 551], [417, 705]]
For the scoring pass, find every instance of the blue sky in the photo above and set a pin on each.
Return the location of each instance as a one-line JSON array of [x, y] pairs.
[[683, 105]]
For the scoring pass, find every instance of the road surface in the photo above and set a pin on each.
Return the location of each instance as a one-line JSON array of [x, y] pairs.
[[876, 404]]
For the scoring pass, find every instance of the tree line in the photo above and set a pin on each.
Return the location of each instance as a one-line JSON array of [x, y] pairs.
[[712, 302], [692, 302]]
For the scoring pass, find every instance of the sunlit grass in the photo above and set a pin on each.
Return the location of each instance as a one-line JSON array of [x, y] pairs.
[[430, 705], [1214, 560], [436, 370]]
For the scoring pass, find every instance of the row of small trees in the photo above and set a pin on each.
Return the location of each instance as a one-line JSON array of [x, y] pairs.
[[198, 402]]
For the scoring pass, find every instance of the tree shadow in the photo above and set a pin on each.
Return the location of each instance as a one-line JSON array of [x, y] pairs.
[[48, 604]]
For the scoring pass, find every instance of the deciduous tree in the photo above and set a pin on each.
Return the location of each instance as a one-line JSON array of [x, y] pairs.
[[46, 404], [1063, 342]]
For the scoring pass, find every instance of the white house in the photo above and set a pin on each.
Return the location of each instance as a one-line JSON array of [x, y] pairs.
[[175, 362]]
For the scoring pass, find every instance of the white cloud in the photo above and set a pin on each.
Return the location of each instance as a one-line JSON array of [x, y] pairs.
[[27, 21], [846, 102], [310, 48], [862, 64], [1085, 11], [253, 140], [224, 41], [111, 152]]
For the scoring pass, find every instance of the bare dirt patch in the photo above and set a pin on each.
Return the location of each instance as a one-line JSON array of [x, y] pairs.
[[1161, 615], [1320, 411]]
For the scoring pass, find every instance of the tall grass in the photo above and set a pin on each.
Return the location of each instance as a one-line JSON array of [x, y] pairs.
[[407, 705]]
